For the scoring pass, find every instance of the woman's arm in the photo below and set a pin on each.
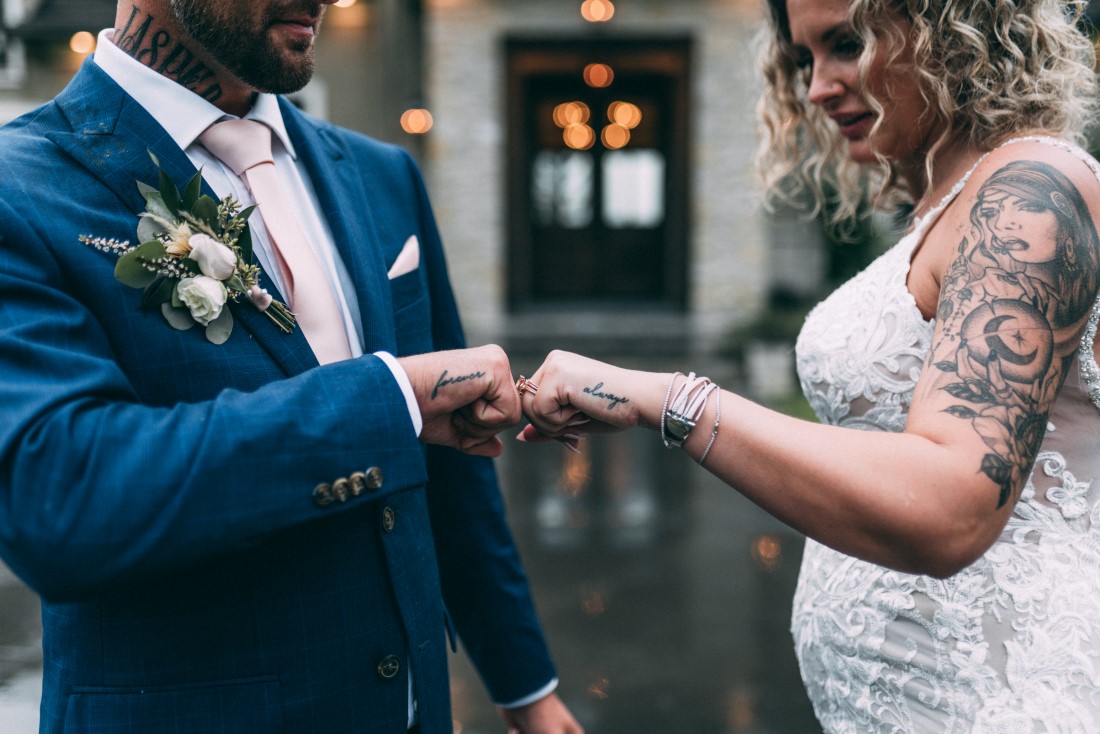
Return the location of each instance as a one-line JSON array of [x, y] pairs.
[[1019, 280]]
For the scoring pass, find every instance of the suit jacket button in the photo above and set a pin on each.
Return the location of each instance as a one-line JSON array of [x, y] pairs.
[[357, 482], [322, 495], [374, 478], [340, 489], [389, 666], [389, 519]]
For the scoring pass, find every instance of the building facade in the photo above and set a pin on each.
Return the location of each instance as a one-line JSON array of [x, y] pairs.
[[592, 180], [657, 242]]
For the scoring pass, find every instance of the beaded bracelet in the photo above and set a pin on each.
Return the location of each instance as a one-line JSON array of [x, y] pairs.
[[714, 430], [664, 409]]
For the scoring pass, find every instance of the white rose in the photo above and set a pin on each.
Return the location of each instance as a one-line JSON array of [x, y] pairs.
[[215, 259], [204, 297]]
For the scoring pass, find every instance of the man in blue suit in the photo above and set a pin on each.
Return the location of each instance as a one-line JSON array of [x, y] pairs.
[[238, 537]]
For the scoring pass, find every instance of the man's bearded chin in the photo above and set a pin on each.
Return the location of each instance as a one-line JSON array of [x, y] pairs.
[[244, 47]]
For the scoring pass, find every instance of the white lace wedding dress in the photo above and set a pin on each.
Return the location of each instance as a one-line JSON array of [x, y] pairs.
[[1009, 645]]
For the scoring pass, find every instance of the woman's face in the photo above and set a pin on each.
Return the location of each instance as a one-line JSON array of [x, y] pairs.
[[829, 49], [1025, 230]]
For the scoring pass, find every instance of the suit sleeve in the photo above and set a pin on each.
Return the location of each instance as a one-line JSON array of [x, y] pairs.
[[484, 584], [97, 488]]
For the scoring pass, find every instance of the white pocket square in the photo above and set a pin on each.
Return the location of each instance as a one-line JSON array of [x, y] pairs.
[[407, 260]]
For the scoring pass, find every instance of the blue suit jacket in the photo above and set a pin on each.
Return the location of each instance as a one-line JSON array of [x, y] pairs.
[[156, 489]]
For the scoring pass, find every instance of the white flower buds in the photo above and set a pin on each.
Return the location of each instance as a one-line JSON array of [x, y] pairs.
[[215, 259]]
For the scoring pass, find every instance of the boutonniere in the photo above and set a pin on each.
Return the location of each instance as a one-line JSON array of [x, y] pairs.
[[195, 255]]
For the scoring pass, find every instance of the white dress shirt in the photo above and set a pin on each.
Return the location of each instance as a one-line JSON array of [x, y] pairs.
[[184, 115]]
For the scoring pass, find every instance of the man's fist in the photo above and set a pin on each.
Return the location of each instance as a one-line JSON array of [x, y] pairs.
[[466, 397]]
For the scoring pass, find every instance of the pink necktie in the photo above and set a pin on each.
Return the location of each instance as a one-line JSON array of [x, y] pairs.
[[245, 146]]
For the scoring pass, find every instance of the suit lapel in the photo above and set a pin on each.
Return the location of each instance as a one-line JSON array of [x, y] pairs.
[[347, 210], [112, 137]]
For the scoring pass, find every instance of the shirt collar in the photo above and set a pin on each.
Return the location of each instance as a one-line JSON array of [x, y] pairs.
[[183, 114]]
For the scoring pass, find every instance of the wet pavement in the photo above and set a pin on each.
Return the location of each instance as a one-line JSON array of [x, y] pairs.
[[20, 656], [665, 596]]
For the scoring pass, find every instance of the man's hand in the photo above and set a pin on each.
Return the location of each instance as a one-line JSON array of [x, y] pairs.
[[546, 716], [466, 397]]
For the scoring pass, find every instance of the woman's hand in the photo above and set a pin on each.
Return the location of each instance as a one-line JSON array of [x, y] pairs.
[[576, 395]]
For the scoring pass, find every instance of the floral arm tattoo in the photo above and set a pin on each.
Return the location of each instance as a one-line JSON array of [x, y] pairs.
[[1012, 308]]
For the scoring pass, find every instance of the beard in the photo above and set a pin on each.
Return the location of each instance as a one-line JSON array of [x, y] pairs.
[[236, 36]]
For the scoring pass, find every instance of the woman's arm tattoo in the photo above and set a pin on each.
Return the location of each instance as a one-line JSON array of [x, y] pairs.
[[1011, 308]]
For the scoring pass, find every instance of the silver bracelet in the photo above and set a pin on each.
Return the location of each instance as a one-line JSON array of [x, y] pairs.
[[717, 420], [664, 409]]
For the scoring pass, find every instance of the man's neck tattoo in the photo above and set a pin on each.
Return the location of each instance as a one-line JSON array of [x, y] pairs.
[[154, 47]]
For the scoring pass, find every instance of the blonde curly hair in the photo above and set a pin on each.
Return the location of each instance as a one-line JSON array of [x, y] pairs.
[[989, 69]]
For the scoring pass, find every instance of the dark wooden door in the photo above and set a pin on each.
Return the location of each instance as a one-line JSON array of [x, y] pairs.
[[597, 178]]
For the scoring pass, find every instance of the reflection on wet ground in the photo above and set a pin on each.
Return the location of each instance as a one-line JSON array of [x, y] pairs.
[[665, 596]]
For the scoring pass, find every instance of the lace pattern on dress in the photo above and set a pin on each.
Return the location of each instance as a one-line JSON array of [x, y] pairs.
[[1010, 645]]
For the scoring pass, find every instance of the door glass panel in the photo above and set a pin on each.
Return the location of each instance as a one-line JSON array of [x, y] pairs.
[[561, 189], [633, 189]]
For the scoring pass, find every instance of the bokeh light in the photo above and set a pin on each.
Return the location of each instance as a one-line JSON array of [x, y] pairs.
[[416, 121], [599, 688], [767, 551], [597, 11], [571, 113], [615, 136], [82, 43], [598, 75], [624, 113], [579, 137]]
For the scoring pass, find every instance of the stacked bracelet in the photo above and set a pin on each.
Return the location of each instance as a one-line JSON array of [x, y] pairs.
[[680, 413], [683, 410]]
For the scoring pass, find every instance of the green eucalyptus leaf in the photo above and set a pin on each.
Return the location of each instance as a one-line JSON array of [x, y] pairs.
[[149, 228], [205, 209], [246, 212], [218, 330], [158, 292], [170, 194], [191, 191], [129, 269], [178, 318], [154, 204], [234, 283]]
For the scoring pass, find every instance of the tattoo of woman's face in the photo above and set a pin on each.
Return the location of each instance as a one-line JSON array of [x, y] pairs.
[[1024, 230], [1022, 284]]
